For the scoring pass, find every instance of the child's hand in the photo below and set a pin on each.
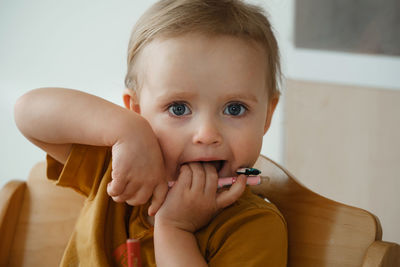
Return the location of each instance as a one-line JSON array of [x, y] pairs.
[[194, 200], [138, 170]]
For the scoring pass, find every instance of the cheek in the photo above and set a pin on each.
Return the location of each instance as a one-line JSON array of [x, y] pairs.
[[171, 145], [246, 146], [165, 135]]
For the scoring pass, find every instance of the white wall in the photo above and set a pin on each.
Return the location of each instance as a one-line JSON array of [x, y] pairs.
[[82, 45], [73, 44], [323, 66]]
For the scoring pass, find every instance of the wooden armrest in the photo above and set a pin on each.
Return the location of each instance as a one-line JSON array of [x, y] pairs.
[[11, 198], [382, 254]]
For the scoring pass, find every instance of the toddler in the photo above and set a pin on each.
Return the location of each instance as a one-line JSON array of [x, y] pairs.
[[201, 89]]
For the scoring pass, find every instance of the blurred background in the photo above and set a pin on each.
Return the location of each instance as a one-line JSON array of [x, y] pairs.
[[337, 126]]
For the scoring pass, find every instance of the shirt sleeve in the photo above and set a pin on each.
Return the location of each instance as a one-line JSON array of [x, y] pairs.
[[84, 167], [257, 237]]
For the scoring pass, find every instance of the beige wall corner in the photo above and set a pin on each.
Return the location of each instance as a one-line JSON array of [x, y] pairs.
[[344, 142]]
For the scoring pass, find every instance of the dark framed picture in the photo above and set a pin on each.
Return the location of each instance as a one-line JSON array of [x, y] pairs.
[[359, 26]]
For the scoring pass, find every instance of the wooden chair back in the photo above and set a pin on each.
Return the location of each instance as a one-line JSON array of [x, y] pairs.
[[323, 232], [37, 219]]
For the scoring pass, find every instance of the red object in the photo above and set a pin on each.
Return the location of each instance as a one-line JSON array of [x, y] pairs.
[[133, 250]]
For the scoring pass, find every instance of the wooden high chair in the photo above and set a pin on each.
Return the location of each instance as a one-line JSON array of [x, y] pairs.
[[37, 218]]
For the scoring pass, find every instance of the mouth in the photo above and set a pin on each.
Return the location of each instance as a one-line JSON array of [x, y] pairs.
[[218, 164]]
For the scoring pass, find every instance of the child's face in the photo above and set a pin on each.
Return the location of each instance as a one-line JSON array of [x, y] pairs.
[[206, 100]]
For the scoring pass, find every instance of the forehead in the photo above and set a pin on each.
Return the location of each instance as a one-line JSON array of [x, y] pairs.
[[199, 61]]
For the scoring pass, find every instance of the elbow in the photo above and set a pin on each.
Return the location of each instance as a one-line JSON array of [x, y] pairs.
[[19, 110], [24, 109]]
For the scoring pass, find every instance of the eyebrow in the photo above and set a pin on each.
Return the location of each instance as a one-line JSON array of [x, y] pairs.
[[191, 95], [249, 97], [176, 95]]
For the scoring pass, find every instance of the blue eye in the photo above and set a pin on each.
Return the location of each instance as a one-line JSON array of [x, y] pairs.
[[235, 109], [178, 109]]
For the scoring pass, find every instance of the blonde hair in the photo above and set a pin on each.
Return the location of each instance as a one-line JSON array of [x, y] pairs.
[[210, 17]]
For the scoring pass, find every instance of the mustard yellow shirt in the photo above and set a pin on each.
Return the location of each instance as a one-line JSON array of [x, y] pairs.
[[251, 232]]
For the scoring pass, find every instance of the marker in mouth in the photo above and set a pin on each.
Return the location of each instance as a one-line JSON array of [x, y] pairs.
[[252, 175]]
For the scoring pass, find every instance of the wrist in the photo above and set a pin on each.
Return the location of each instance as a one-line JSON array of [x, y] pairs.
[[128, 125], [171, 226], [174, 246]]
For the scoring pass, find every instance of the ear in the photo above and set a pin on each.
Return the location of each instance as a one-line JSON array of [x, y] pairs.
[[131, 100], [271, 109]]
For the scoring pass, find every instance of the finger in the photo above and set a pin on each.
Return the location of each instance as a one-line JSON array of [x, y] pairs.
[[228, 197], [140, 197], [122, 196], [185, 177], [198, 177], [211, 181], [116, 187], [134, 194], [158, 198], [118, 199]]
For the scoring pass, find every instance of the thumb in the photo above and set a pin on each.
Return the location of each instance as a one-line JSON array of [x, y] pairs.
[[228, 197], [158, 198]]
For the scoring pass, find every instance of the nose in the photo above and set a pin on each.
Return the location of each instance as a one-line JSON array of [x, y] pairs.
[[207, 132]]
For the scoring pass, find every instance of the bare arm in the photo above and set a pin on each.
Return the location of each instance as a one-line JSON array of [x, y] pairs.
[[190, 204], [176, 247], [55, 118]]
